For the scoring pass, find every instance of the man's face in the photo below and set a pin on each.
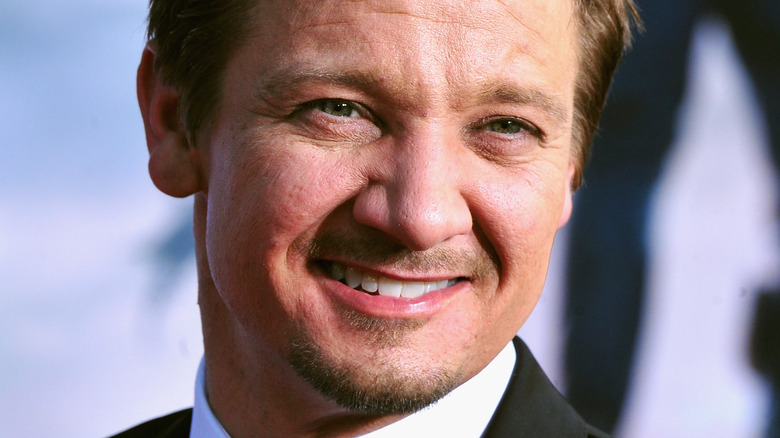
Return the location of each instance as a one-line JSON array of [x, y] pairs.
[[417, 147]]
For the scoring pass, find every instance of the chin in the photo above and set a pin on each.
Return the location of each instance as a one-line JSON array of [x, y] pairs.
[[386, 387]]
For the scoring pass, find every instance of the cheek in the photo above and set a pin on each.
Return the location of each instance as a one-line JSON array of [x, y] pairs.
[[260, 203], [523, 238], [518, 216], [279, 192], [521, 217]]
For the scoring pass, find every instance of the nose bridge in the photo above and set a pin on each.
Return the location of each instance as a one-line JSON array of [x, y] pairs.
[[424, 172], [426, 205]]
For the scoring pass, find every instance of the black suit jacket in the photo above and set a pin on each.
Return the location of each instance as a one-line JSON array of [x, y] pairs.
[[531, 407]]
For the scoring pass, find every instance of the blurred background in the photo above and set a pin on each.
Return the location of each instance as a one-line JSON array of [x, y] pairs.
[[99, 325]]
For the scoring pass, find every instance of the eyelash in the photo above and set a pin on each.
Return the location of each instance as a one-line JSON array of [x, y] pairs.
[[520, 124], [318, 104]]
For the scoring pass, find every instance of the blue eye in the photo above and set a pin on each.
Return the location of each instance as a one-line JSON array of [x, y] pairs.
[[510, 126]]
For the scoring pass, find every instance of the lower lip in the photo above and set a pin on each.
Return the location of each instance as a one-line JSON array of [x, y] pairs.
[[391, 307]]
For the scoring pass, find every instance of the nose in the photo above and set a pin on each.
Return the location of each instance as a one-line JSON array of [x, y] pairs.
[[418, 198]]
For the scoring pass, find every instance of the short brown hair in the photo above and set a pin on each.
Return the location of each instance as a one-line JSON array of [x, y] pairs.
[[605, 32], [194, 40]]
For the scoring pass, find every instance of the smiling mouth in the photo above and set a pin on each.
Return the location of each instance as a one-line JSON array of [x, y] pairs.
[[387, 287]]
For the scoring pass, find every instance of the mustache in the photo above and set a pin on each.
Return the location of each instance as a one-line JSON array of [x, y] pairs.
[[372, 247]]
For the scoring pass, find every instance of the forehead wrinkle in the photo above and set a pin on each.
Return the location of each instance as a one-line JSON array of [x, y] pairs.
[[435, 19], [431, 14], [519, 18]]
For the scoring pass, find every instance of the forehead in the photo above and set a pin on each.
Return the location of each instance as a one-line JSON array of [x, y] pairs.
[[434, 46]]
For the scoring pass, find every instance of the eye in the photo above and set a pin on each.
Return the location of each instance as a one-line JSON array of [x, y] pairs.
[[503, 139], [337, 108], [336, 120], [329, 110], [509, 126]]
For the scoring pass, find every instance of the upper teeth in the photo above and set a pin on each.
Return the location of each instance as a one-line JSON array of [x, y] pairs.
[[385, 286]]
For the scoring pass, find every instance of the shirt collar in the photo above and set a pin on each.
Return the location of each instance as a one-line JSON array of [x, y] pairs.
[[465, 411], [204, 422]]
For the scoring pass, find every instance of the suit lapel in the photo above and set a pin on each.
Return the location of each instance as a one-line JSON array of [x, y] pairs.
[[180, 427], [175, 425], [531, 406]]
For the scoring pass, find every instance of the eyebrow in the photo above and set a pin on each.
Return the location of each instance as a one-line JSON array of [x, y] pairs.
[[287, 79], [507, 93]]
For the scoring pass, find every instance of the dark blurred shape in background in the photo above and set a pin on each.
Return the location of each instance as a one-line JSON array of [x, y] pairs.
[[606, 267]]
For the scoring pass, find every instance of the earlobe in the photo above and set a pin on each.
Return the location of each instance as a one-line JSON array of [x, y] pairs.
[[173, 166], [173, 162], [567, 201]]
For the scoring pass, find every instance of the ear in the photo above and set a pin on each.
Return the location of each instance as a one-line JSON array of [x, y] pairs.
[[174, 165], [567, 201]]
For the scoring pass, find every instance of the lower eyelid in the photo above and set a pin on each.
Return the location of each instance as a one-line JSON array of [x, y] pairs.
[[526, 130], [317, 124]]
